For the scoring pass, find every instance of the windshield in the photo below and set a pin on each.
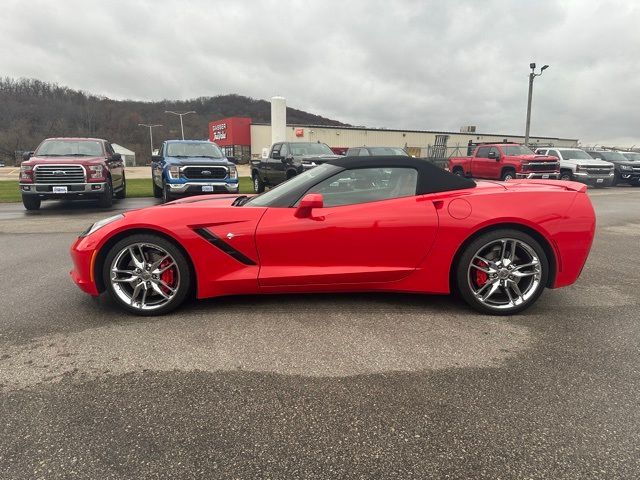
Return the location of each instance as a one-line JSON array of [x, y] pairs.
[[193, 149], [300, 149], [265, 199], [575, 155], [517, 150], [69, 148], [388, 151], [613, 156], [632, 156]]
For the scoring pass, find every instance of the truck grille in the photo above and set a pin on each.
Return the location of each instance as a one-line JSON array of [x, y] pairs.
[[204, 172], [636, 169], [541, 167], [59, 174], [598, 170]]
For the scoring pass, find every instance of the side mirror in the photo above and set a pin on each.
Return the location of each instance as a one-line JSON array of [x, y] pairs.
[[494, 156], [116, 156], [308, 203], [233, 160], [26, 156], [156, 158]]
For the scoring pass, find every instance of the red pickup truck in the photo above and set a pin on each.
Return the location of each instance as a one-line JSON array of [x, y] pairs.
[[72, 168], [505, 161]]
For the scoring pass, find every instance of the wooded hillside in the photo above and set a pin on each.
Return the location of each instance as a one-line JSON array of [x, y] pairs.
[[31, 110]]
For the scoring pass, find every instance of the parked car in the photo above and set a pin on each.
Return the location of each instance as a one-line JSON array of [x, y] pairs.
[[578, 165], [505, 161], [364, 151], [286, 160], [625, 170], [72, 168], [191, 167], [380, 224]]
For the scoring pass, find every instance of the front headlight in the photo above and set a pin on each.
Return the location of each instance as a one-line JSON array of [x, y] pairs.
[[625, 167], [233, 172], [174, 171], [101, 223]]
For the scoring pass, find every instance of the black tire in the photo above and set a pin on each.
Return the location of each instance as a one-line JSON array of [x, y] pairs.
[[258, 185], [463, 277], [122, 193], [566, 175], [157, 191], [458, 171], [106, 199], [166, 196], [181, 262], [508, 175], [616, 179], [31, 202]]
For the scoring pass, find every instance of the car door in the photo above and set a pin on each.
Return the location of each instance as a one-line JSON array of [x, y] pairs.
[[269, 164], [157, 164], [479, 163], [493, 166], [368, 231]]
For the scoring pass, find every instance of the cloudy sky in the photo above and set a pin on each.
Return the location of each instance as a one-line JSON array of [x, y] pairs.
[[396, 64]]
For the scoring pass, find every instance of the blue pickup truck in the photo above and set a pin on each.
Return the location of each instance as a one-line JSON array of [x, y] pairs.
[[191, 167]]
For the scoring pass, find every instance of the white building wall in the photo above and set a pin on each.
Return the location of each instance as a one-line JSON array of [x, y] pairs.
[[352, 137]]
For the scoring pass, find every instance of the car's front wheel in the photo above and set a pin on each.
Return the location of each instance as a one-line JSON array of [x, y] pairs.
[[31, 202], [147, 275], [106, 199], [166, 195], [502, 272], [258, 185]]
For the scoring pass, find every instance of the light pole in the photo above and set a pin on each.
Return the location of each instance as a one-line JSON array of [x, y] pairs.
[[180, 115], [532, 75], [150, 127]]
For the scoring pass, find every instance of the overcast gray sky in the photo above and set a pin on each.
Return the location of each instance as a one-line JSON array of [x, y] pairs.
[[396, 64]]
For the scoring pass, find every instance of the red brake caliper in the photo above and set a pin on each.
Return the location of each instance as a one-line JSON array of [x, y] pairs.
[[481, 277], [168, 276]]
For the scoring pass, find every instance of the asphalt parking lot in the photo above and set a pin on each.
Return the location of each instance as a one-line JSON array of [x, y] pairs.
[[316, 386]]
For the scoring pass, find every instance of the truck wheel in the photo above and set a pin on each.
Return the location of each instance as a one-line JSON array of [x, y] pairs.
[[157, 191], [166, 196], [106, 199], [458, 171], [616, 179], [146, 274], [258, 185], [508, 175], [566, 176], [122, 193], [502, 272], [31, 202]]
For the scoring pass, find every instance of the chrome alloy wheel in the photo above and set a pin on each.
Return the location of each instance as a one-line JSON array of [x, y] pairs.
[[504, 273], [144, 276]]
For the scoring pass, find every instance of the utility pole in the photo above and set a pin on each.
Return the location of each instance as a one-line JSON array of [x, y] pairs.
[[150, 127], [180, 115], [532, 76]]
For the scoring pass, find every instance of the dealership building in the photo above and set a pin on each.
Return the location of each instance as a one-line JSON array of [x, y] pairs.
[[241, 138]]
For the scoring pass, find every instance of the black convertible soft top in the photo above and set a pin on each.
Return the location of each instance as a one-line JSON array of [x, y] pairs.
[[431, 179]]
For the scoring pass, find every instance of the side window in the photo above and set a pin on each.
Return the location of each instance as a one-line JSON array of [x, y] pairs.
[[353, 152], [496, 151], [275, 151], [284, 151], [541, 151], [553, 153], [363, 185], [363, 152], [108, 148], [483, 152]]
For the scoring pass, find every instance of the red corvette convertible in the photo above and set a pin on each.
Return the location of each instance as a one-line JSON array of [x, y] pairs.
[[352, 224]]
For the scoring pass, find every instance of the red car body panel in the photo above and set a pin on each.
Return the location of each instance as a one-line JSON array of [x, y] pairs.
[[406, 244]]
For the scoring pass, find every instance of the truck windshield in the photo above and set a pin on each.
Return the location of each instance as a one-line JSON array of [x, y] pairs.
[[388, 151], [575, 155], [517, 150], [310, 177], [613, 157], [193, 149], [300, 149], [69, 148], [632, 156]]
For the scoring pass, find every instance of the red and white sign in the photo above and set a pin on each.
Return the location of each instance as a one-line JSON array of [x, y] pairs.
[[299, 132]]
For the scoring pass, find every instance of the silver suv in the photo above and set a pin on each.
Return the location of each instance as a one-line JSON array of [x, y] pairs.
[[579, 166]]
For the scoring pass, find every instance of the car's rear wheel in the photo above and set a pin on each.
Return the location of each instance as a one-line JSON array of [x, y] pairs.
[[258, 185], [166, 196], [31, 202], [502, 272], [157, 191], [458, 171], [146, 275], [566, 176]]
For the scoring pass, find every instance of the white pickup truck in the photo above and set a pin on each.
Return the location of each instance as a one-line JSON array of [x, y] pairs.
[[579, 166]]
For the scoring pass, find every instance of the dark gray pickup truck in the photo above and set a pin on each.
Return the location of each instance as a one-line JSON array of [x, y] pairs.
[[286, 160]]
